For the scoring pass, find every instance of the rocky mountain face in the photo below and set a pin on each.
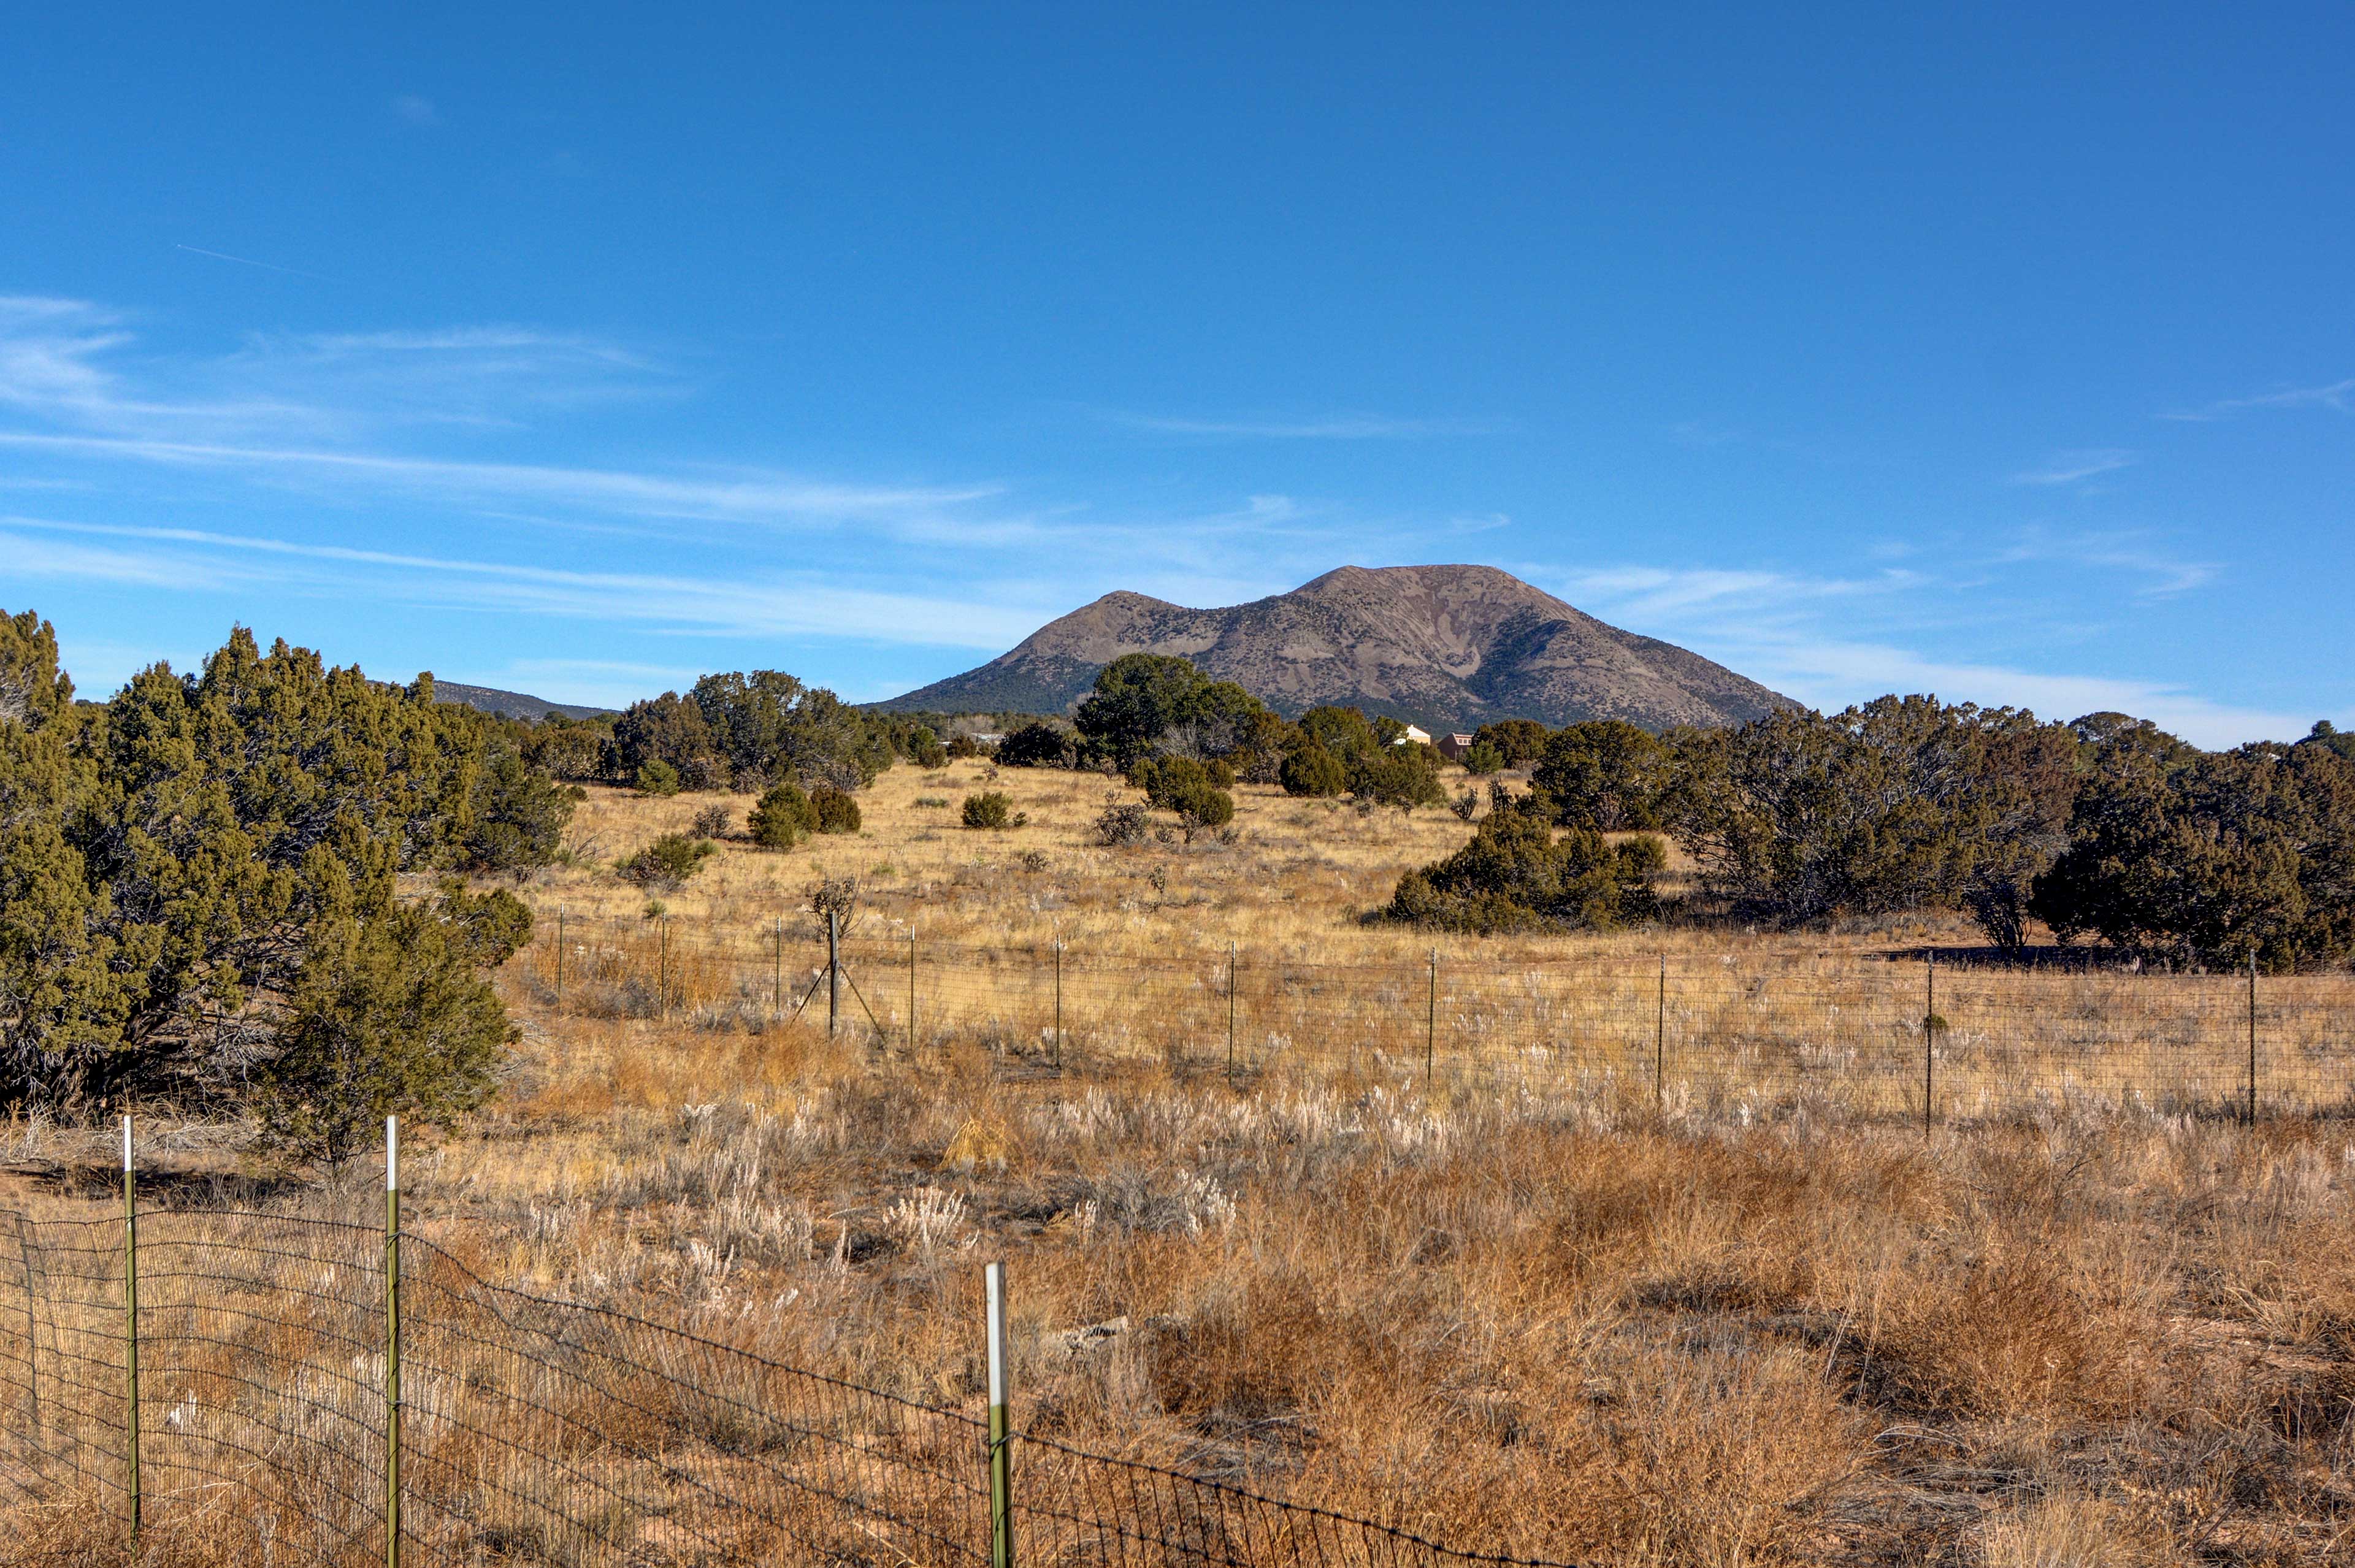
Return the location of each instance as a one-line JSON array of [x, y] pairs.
[[1444, 646], [509, 704]]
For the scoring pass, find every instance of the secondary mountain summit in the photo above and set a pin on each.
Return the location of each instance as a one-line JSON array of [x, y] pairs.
[[1445, 646]]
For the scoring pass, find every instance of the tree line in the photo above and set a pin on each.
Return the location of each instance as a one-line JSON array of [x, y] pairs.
[[1186, 739], [2105, 827], [738, 731], [246, 886]]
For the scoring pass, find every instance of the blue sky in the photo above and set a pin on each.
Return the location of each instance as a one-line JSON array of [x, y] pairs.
[[1999, 354]]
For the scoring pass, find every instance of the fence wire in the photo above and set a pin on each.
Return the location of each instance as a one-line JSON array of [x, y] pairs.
[[531, 1431], [1728, 1037]]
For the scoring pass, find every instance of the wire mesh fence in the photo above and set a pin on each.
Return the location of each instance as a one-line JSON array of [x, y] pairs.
[[258, 1427], [1728, 1036]]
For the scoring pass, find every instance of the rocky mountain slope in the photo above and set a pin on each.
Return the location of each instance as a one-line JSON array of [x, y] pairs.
[[1444, 646], [509, 704]]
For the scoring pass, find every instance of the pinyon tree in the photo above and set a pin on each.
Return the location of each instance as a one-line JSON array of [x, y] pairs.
[[174, 863]]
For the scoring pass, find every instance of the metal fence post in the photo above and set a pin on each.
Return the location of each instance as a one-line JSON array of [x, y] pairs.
[[911, 992], [776, 964], [1431, 1020], [2251, 1116], [833, 970], [393, 1342], [560, 958], [32, 1340], [1231, 1014], [1059, 1001], [131, 1327], [662, 970], [1001, 1429], [1929, 1036], [1660, 1041]]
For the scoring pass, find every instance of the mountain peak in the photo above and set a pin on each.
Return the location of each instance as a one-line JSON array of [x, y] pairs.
[[1448, 646]]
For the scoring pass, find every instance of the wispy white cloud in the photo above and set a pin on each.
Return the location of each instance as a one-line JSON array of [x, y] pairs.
[[1830, 673], [330, 410], [57, 560], [58, 360], [1813, 638], [2123, 550], [755, 496], [754, 604], [1329, 427], [2071, 467], [415, 110], [2337, 396], [1659, 592]]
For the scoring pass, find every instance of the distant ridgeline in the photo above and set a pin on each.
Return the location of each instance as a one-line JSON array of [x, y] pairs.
[[511, 704]]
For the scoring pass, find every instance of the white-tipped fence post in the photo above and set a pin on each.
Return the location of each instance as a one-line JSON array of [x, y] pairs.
[[393, 1342], [131, 1332], [1001, 1427]]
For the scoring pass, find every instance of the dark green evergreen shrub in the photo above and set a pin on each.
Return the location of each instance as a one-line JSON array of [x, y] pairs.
[[1314, 772], [667, 862], [1036, 746], [990, 810], [1517, 874], [782, 817], [834, 810]]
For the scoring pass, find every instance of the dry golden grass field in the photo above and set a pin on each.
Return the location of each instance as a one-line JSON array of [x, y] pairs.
[[1528, 1250]]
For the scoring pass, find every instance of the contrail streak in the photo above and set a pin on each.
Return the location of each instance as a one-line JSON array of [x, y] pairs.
[[242, 262]]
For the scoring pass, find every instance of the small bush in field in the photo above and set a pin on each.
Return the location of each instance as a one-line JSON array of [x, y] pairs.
[[993, 810], [783, 817], [1189, 788], [657, 778], [667, 862], [834, 810], [714, 822], [1121, 824]]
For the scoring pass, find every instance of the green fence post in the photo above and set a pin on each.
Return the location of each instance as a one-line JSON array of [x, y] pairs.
[[1431, 1022], [1001, 1427], [911, 994], [130, 1327], [2251, 1115], [833, 971], [393, 1342], [1660, 1041], [1231, 1014], [1929, 1040]]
